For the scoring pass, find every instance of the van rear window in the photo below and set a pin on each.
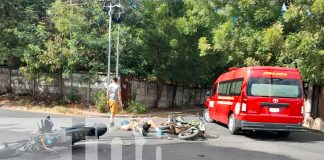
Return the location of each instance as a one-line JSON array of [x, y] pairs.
[[274, 87]]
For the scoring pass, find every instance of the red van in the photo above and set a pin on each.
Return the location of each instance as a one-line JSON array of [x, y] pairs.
[[258, 98]]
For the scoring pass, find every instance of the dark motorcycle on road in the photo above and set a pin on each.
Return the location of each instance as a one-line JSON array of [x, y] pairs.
[[46, 138]]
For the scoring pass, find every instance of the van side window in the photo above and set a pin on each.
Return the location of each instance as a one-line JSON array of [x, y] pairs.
[[224, 88], [236, 87], [214, 89], [230, 88], [220, 88], [233, 84]]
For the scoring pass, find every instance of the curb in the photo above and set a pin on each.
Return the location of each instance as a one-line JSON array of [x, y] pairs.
[[106, 115]]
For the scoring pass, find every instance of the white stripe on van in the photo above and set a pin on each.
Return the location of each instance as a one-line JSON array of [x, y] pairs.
[[224, 102]]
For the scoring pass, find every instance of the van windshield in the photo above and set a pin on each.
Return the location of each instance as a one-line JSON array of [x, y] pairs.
[[274, 87]]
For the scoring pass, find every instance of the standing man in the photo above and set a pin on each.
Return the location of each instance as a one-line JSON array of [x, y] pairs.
[[114, 99]]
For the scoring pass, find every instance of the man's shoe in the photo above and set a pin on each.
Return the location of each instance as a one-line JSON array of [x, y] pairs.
[[144, 133]]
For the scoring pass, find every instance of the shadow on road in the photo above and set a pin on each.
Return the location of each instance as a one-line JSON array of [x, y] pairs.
[[301, 137], [308, 136], [180, 151]]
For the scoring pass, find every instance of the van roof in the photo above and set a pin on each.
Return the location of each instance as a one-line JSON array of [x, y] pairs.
[[235, 73], [268, 68]]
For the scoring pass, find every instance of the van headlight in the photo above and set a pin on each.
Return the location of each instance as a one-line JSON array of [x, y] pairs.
[[302, 110]]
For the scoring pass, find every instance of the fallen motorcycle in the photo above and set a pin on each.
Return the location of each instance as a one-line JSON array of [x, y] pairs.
[[173, 125], [196, 129], [46, 138], [184, 129]]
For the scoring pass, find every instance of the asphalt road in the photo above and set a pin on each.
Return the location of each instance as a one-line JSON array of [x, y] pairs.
[[123, 145]]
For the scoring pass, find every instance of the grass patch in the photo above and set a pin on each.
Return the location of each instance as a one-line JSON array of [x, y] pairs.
[[65, 110], [136, 107]]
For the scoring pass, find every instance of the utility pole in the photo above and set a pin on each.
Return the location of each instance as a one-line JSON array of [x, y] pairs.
[[109, 45], [117, 47], [111, 8], [117, 53]]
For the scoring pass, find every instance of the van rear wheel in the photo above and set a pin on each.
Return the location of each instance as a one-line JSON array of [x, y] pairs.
[[283, 133], [207, 117], [232, 126]]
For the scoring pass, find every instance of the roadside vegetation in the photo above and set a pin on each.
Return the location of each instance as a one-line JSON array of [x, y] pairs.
[[52, 106], [43, 104], [182, 43]]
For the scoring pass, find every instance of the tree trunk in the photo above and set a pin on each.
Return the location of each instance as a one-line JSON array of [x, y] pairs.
[[60, 80], [10, 82], [174, 94], [321, 103], [159, 88], [88, 91], [34, 85]]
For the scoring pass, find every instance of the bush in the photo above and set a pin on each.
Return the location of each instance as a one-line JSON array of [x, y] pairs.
[[136, 107], [100, 101], [73, 96], [133, 96]]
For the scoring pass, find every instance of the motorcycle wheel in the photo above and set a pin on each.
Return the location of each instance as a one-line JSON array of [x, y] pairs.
[[188, 134], [7, 152], [12, 151]]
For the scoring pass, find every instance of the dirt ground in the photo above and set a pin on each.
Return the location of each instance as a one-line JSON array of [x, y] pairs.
[[45, 104]]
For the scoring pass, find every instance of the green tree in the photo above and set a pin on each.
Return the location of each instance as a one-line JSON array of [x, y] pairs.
[[71, 38], [168, 39], [18, 22], [265, 32]]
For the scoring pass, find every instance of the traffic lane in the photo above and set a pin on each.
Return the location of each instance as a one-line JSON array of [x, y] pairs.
[[180, 151], [150, 151], [8, 113], [175, 149], [299, 145], [219, 144], [152, 148], [18, 114], [12, 136], [300, 137], [305, 145]]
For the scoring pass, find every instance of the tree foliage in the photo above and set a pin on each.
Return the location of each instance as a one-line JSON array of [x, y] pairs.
[[184, 42], [268, 32]]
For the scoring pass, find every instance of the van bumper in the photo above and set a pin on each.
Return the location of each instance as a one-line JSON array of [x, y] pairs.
[[245, 125]]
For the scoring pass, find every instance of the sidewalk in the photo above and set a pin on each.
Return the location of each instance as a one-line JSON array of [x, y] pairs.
[[84, 113], [155, 113]]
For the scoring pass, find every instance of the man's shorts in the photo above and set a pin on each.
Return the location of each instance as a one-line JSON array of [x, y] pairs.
[[113, 105]]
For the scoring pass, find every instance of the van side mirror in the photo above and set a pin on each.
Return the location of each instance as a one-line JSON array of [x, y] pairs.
[[208, 93]]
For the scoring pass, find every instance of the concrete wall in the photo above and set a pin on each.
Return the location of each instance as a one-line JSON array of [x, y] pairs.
[[4, 80], [11, 79], [146, 94]]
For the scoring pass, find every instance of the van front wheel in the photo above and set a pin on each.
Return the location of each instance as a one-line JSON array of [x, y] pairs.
[[207, 117], [232, 126]]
